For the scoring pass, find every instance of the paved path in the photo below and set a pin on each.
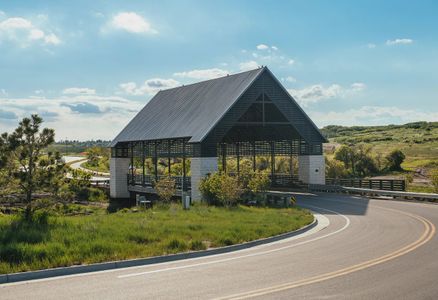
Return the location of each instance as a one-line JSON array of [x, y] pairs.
[[371, 249], [78, 161]]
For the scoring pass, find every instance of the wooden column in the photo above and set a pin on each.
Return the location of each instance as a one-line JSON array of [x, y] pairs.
[[132, 164], [155, 161], [254, 167], [183, 183], [143, 161], [238, 159], [168, 157], [272, 162], [224, 158]]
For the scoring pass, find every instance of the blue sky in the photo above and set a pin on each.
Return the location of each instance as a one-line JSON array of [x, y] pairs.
[[88, 66]]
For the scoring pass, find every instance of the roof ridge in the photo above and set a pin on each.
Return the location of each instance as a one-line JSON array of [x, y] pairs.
[[217, 78]]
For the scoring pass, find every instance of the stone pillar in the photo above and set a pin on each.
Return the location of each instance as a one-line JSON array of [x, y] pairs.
[[119, 168], [199, 168], [311, 169]]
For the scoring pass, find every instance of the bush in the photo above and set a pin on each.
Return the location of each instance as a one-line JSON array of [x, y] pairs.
[[394, 160], [335, 169], [221, 189], [210, 188], [259, 182], [96, 195], [165, 188]]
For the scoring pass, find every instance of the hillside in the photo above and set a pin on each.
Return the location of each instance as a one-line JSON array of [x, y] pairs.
[[418, 141]]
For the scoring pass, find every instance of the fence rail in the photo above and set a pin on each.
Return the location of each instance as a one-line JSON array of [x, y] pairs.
[[375, 184], [374, 193], [149, 180]]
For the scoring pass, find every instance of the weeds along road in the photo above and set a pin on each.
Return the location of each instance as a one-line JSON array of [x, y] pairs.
[[369, 249]]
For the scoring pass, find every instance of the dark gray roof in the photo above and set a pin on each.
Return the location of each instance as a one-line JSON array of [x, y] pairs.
[[189, 111]]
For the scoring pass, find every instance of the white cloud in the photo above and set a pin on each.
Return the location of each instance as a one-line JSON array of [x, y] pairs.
[[149, 87], [262, 47], [52, 39], [371, 45], [23, 32], [3, 92], [372, 115], [248, 65], [358, 86], [399, 42], [289, 79], [316, 93], [202, 74], [73, 116], [131, 22], [290, 62], [274, 48], [78, 91]]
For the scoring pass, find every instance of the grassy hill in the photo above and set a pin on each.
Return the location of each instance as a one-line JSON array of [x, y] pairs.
[[418, 141]]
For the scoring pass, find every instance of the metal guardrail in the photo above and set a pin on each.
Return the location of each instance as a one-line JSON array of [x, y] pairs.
[[374, 193], [376, 184]]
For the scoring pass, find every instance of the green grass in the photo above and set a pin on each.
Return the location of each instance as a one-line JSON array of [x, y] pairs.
[[420, 188], [70, 240], [102, 167]]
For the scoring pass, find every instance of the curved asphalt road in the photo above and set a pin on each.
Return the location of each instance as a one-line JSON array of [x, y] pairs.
[[371, 249]]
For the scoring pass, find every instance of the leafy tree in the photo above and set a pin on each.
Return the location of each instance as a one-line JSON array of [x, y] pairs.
[[24, 148], [93, 155], [335, 169], [395, 159], [347, 155], [357, 159]]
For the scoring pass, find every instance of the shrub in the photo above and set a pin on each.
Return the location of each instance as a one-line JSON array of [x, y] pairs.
[[230, 190], [259, 182], [335, 169], [210, 188], [96, 195], [394, 160], [221, 189], [165, 188]]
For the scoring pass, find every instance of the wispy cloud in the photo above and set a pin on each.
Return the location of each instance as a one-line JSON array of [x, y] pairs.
[[83, 107], [7, 115], [72, 116], [399, 42], [262, 47], [76, 91], [248, 65], [316, 93], [149, 87], [202, 74], [23, 32], [372, 115], [131, 22]]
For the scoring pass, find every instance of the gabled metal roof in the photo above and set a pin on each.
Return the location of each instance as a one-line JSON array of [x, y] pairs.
[[189, 111]]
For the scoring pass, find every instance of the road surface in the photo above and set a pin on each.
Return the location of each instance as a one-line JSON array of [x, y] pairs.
[[78, 161], [371, 249]]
